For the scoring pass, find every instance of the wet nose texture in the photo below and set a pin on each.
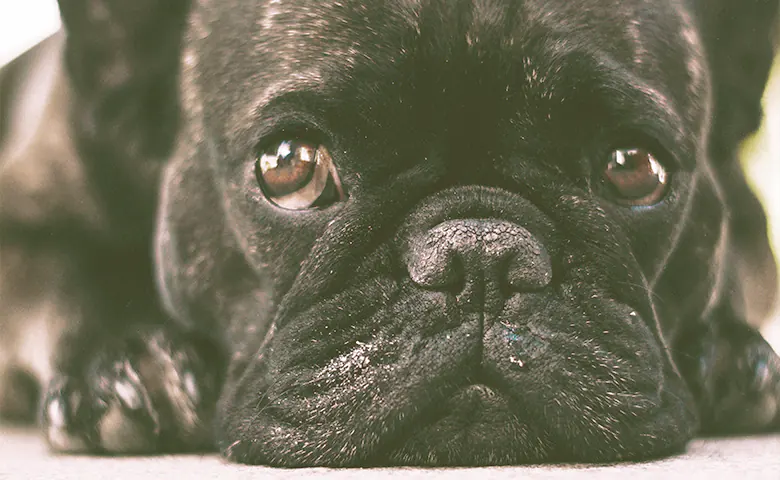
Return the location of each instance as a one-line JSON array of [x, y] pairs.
[[476, 257]]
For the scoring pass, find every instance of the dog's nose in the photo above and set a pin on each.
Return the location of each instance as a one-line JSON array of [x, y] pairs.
[[455, 255]]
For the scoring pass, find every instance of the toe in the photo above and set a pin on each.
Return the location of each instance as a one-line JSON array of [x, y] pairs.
[[64, 420], [130, 423]]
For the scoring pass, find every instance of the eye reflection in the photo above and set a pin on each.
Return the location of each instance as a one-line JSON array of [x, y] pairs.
[[297, 175], [635, 177]]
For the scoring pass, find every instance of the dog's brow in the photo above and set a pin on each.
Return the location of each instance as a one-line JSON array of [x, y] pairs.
[[242, 119], [658, 115], [658, 101], [592, 77], [650, 105]]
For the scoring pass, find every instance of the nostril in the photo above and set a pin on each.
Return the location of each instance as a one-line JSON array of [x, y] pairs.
[[530, 269], [438, 270], [458, 253]]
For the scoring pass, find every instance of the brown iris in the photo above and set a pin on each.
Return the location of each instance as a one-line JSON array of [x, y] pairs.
[[288, 168], [297, 175], [636, 177]]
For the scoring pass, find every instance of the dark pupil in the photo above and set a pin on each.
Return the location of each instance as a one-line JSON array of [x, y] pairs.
[[295, 166], [631, 173]]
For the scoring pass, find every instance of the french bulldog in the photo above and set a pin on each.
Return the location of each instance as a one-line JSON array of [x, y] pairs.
[[402, 232]]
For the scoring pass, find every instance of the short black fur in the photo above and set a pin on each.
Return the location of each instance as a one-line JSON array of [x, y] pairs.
[[190, 312]]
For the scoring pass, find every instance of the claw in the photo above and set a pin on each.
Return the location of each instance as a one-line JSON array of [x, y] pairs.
[[62, 410], [128, 395]]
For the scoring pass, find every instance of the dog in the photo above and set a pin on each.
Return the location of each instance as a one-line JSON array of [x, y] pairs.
[[407, 232]]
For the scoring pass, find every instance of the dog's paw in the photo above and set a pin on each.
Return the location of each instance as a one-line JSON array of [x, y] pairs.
[[738, 383], [148, 394]]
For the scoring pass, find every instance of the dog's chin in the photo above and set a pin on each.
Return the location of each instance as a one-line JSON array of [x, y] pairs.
[[413, 378], [476, 426], [482, 426]]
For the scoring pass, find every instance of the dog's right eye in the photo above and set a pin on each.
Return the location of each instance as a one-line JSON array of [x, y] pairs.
[[298, 175]]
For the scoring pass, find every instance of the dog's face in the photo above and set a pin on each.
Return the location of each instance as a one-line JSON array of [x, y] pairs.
[[430, 231]]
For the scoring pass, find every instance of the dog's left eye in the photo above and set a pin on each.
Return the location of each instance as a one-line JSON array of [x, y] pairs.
[[298, 175], [635, 177]]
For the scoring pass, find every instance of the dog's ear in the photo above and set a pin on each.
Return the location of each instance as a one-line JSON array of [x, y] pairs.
[[122, 62], [740, 38]]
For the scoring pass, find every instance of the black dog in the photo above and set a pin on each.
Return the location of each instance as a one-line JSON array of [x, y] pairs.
[[437, 232]]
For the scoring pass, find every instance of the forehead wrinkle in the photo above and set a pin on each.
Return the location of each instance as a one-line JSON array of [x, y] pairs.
[[634, 32], [695, 61], [557, 78], [292, 59], [271, 11], [651, 95], [489, 18], [621, 87], [604, 69], [662, 103], [298, 68]]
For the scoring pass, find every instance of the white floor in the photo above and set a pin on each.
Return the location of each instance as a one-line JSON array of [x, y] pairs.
[[24, 456]]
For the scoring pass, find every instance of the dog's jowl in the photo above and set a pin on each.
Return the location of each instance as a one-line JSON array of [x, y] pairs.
[[407, 232]]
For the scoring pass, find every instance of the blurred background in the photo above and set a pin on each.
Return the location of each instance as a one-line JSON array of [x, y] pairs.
[[25, 22]]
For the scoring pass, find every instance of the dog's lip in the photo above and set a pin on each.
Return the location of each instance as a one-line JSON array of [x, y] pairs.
[[479, 389], [483, 386], [464, 403]]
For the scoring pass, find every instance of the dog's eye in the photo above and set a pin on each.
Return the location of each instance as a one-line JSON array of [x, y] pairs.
[[635, 177], [297, 175]]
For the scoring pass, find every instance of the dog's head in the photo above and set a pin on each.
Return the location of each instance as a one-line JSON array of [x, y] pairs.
[[448, 232]]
